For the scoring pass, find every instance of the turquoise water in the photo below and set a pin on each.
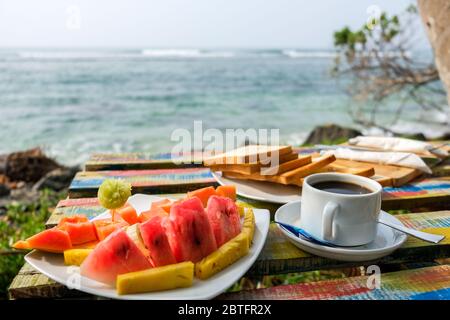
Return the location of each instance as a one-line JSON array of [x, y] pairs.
[[75, 102]]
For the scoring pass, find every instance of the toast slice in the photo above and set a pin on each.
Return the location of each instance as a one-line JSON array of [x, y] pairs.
[[289, 177], [249, 168], [296, 182], [287, 166], [247, 154]]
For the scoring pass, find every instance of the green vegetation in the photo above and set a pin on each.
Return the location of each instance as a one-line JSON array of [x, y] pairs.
[[18, 222], [286, 279], [327, 142], [382, 75]]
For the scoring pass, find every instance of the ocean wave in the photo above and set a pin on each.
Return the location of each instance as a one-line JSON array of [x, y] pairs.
[[61, 54], [186, 53], [297, 54], [72, 55]]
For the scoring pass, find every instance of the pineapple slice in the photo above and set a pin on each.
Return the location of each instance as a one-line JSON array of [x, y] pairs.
[[249, 224], [172, 276], [74, 257], [226, 255], [241, 210]]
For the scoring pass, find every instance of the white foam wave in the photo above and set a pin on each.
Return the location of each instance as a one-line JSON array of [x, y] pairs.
[[75, 55], [297, 54], [186, 53]]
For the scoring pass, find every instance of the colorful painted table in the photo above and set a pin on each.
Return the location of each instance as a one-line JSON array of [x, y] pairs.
[[429, 198]]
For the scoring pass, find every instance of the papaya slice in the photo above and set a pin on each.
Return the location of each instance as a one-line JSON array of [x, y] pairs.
[[81, 232], [73, 219], [128, 213], [203, 194], [104, 227], [50, 240], [161, 203], [228, 191], [153, 212]]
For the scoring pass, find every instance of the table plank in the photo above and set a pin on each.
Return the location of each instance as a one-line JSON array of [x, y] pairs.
[[146, 160], [433, 193], [427, 192], [432, 283], [142, 160], [86, 183], [280, 256], [30, 283]]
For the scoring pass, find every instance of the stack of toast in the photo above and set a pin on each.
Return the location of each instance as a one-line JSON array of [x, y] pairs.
[[278, 164]]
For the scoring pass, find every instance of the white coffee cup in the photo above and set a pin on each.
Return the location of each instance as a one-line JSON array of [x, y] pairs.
[[341, 219]]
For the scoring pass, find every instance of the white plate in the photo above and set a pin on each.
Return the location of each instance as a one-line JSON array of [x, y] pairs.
[[387, 239], [52, 265], [261, 191]]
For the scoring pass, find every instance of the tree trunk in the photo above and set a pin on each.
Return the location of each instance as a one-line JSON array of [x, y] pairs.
[[436, 18]]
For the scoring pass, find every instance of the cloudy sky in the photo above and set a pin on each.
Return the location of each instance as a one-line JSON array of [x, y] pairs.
[[182, 23]]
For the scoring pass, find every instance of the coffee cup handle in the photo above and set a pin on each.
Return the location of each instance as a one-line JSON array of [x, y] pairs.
[[329, 211]]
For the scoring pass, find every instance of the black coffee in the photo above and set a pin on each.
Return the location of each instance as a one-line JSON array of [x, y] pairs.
[[341, 187]]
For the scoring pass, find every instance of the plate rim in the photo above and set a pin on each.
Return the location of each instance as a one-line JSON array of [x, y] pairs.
[[263, 227], [246, 195], [343, 250]]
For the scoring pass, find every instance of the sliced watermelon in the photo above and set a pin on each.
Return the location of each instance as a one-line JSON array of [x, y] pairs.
[[134, 233], [190, 234], [50, 240], [104, 227], [224, 218], [115, 255], [80, 232], [228, 191], [153, 234], [128, 213], [203, 194]]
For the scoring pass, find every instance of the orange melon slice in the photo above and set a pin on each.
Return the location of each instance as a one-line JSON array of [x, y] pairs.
[[228, 191], [128, 213], [81, 232], [104, 227], [203, 194], [50, 240]]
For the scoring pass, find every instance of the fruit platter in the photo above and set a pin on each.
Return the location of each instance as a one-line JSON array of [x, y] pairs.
[[149, 247]]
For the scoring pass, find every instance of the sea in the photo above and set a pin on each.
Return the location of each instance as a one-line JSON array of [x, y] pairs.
[[74, 102]]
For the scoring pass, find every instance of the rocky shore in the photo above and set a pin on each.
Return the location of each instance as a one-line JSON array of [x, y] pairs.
[[24, 174]]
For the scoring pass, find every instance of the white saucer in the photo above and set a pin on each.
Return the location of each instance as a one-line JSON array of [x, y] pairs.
[[261, 191], [387, 239]]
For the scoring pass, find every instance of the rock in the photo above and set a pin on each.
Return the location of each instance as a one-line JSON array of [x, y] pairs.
[[58, 179], [23, 196], [29, 166], [445, 136], [414, 136], [3, 179], [331, 133], [4, 190], [3, 158]]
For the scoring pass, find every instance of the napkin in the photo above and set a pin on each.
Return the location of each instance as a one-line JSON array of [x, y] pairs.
[[397, 144], [401, 159]]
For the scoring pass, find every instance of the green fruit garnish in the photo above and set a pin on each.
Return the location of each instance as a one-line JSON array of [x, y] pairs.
[[113, 194]]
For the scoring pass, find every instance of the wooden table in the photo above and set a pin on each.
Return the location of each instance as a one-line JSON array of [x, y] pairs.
[[418, 270]]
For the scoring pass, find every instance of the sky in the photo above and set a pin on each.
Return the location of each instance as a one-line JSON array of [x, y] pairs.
[[183, 23]]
